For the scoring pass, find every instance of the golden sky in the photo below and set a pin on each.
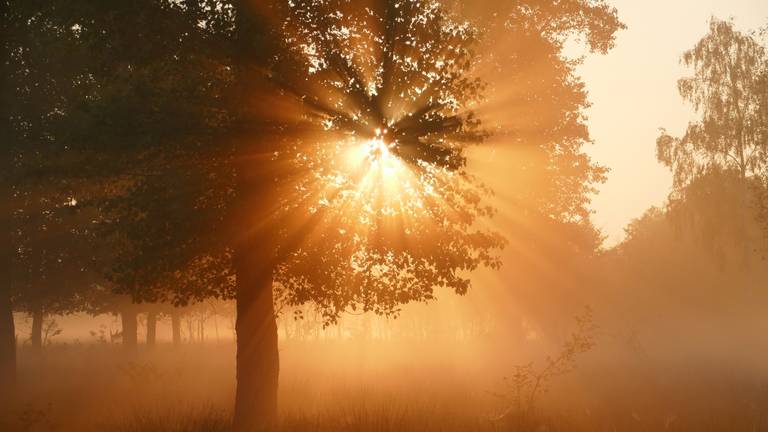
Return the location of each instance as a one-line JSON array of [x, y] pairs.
[[633, 92]]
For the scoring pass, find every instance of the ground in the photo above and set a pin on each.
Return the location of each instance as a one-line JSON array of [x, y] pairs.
[[373, 386]]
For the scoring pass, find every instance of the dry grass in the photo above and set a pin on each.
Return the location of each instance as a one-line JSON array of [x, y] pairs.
[[376, 388]]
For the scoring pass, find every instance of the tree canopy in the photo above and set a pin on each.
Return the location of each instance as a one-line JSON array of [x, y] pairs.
[[726, 90]]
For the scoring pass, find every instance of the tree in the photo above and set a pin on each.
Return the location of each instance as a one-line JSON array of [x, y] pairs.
[[685, 273], [536, 107], [366, 94], [717, 168], [52, 266], [762, 89], [726, 90], [539, 100], [41, 75], [732, 134], [152, 107], [374, 202]]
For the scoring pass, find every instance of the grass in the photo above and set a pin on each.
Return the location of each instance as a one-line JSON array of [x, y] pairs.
[[383, 387], [378, 419]]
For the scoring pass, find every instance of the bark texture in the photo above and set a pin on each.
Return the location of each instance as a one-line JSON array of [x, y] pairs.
[[257, 350], [254, 260]]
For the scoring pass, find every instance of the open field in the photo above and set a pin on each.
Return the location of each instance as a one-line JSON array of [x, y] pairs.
[[375, 386]]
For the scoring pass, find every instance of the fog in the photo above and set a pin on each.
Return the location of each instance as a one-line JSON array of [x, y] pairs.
[[376, 216]]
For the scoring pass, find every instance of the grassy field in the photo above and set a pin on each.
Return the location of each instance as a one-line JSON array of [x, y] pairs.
[[375, 387]]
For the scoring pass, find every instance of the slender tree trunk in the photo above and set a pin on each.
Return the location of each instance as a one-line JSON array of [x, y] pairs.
[[151, 328], [257, 350], [130, 328], [176, 327], [190, 330], [36, 337], [7, 351], [216, 327]]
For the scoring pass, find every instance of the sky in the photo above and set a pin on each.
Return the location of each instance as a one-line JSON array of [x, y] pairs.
[[633, 90]]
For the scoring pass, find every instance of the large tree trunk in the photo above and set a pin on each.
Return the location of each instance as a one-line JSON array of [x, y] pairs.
[[130, 328], [254, 262], [257, 350], [176, 327], [151, 328], [36, 337], [7, 351]]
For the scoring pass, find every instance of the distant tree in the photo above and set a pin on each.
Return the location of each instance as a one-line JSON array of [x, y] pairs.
[[726, 90], [762, 89], [717, 167], [720, 211], [680, 264], [732, 134]]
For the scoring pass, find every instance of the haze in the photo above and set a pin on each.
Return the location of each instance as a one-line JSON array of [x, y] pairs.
[[633, 90], [384, 216]]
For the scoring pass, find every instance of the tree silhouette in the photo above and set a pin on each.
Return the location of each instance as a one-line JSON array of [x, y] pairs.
[[536, 107], [41, 77], [726, 90], [52, 266], [384, 117], [732, 133], [360, 173], [145, 135], [363, 147]]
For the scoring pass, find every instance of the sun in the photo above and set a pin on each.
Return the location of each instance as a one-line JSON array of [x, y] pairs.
[[383, 163], [378, 148]]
